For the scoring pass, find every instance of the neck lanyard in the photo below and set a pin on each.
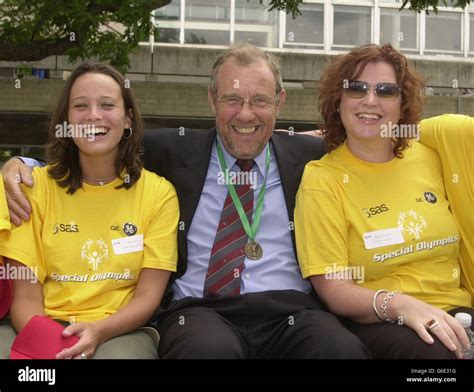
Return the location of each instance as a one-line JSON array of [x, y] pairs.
[[253, 250]]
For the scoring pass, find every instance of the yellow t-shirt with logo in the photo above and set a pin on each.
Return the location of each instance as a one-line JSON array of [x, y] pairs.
[[88, 249], [384, 225], [452, 136]]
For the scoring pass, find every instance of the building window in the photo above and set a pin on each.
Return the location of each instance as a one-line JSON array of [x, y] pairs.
[[167, 22], [399, 28], [168, 35], [307, 30], [445, 40], [254, 11], [352, 26], [169, 12], [206, 37], [207, 10], [471, 35], [255, 24], [207, 22]]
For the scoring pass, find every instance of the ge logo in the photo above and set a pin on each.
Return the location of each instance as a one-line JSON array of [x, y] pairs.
[[129, 229], [430, 197]]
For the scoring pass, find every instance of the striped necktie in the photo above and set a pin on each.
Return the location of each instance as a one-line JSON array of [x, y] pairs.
[[226, 264]]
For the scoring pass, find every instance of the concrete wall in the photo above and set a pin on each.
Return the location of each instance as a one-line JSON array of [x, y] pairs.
[[171, 88], [197, 61]]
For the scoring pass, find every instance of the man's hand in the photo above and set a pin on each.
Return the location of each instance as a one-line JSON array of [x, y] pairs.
[[14, 173], [315, 133]]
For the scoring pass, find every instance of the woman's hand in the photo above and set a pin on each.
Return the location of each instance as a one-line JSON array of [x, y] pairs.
[[343, 297], [146, 299], [89, 339], [427, 320]]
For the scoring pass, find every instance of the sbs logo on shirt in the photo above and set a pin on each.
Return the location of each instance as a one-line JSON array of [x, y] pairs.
[[369, 212], [70, 227]]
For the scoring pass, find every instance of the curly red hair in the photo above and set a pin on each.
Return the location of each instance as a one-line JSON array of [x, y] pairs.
[[342, 69]]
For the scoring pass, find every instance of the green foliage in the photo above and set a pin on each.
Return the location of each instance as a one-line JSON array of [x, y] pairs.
[[104, 29], [427, 5], [287, 6]]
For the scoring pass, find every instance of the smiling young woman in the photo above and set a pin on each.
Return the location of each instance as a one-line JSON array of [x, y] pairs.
[[95, 101], [102, 238]]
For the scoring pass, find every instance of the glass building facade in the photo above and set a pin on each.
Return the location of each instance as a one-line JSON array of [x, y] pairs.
[[324, 26]]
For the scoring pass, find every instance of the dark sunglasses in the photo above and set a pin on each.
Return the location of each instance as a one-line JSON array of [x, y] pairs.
[[358, 89]]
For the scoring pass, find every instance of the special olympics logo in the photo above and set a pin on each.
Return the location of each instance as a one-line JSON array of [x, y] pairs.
[[94, 252], [412, 223]]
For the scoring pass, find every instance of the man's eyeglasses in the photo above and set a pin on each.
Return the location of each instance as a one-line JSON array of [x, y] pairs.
[[358, 89], [258, 102]]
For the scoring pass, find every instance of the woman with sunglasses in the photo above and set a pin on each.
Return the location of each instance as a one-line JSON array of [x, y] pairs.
[[373, 227], [102, 237]]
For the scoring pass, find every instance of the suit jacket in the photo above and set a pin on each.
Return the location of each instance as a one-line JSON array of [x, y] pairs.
[[183, 159]]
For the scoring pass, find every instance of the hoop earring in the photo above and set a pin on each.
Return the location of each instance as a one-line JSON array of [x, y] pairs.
[[130, 130]]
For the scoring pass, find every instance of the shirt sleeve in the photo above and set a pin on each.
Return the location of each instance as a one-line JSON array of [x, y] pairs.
[[25, 243], [160, 238], [444, 132], [452, 136], [320, 226], [31, 162]]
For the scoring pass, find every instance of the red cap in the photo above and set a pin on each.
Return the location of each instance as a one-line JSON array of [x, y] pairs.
[[6, 296], [41, 338]]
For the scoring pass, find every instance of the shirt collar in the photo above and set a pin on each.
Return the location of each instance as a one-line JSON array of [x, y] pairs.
[[230, 160]]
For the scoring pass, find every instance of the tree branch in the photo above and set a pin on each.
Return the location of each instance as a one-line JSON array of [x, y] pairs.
[[34, 51], [45, 14]]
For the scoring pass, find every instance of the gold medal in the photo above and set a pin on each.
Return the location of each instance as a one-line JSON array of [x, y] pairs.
[[253, 250]]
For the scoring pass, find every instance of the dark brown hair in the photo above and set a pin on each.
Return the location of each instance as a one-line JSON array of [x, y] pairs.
[[349, 67], [62, 152]]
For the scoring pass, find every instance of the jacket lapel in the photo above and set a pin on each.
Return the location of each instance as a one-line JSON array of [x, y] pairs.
[[188, 180], [290, 166]]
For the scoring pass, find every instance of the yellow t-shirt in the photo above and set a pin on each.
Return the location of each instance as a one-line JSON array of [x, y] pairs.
[[384, 225], [452, 136], [88, 249], [5, 225]]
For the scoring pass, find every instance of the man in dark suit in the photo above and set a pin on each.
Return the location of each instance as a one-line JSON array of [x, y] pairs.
[[272, 312], [238, 291]]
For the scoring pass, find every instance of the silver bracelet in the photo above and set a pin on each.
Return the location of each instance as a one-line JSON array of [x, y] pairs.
[[374, 303], [385, 305]]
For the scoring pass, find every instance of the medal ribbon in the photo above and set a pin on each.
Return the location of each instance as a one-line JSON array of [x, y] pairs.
[[251, 231]]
